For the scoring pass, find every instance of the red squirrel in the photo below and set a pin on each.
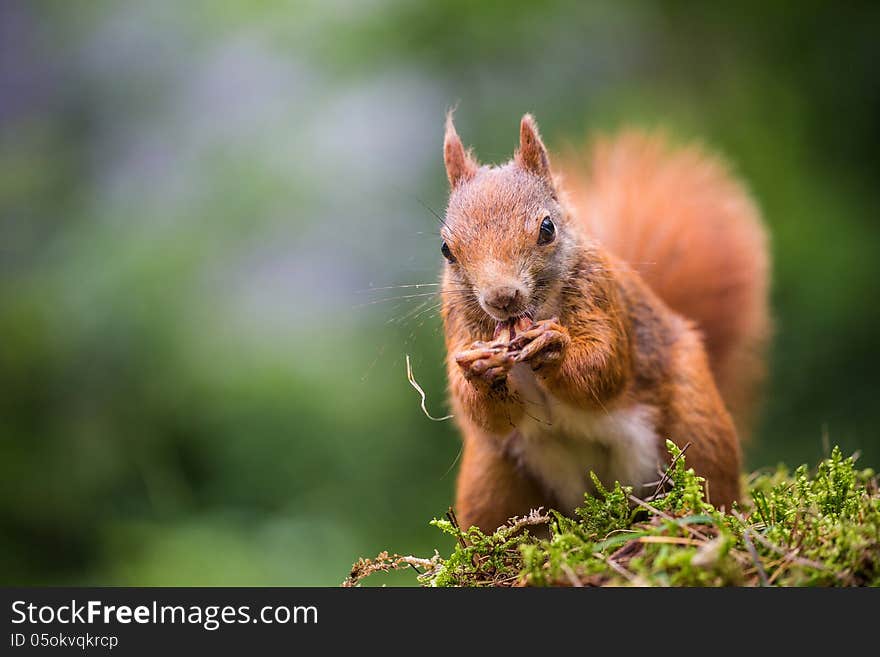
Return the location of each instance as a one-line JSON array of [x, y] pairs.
[[585, 326]]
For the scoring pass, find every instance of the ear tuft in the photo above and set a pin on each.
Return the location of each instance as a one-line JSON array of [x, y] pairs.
[[460, 164], [532, 154]]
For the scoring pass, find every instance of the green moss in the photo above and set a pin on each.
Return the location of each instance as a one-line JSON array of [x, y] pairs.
[[793, 529]]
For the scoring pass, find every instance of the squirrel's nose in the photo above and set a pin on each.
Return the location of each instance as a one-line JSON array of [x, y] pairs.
[[502, 298]]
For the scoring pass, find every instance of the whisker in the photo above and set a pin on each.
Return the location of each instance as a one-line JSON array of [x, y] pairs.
[[427, 310], [419, 295], [432, 211], [402, 298], [394, 287], [452, 465], [408, 314], [373, 364]]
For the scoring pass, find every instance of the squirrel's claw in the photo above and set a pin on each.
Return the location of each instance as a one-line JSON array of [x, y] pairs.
[[479, 351], [534, 330], [490, 362], [542, 344]]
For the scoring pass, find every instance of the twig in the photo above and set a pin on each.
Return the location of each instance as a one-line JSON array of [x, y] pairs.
[[668, 469], [506, 580], [450, 515], [778, 550], [414, 384], [572, 577], [652, 509], [666, 516], [780, 565], [762, 575], [535, 517], [620, 570], [675, 540], [385, 563]]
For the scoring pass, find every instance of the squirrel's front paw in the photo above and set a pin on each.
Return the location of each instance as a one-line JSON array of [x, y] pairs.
[[542, 344], [485, 362]]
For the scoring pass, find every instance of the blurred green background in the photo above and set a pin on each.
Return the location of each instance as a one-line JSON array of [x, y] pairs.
[[200, 382]]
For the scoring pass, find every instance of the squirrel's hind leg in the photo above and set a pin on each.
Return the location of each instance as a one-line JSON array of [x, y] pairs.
[[492, 487]]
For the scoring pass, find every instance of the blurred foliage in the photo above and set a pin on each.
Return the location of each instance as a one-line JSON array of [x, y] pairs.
[[202, 382]]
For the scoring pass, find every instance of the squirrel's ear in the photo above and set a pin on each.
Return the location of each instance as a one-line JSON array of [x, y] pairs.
[[532, 154], [460, 164]]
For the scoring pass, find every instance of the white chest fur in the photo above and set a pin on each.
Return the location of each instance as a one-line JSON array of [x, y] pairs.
[[559, 444]]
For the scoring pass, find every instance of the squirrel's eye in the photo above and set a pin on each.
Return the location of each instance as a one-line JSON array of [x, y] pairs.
[[447, 253], [548, 231]]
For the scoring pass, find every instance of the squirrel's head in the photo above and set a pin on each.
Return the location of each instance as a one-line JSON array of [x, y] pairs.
[[506, 236]]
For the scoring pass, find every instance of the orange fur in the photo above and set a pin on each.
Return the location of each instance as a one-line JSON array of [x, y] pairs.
[[695, 237], [607, 361]]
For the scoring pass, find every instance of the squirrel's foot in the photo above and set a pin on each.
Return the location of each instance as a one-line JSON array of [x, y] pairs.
[[542, 344], [485, 362]]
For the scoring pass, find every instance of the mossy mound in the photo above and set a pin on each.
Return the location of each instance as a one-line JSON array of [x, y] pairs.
[[794, 529]]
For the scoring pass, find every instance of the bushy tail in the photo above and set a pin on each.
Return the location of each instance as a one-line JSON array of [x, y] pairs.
[[691, 230]]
